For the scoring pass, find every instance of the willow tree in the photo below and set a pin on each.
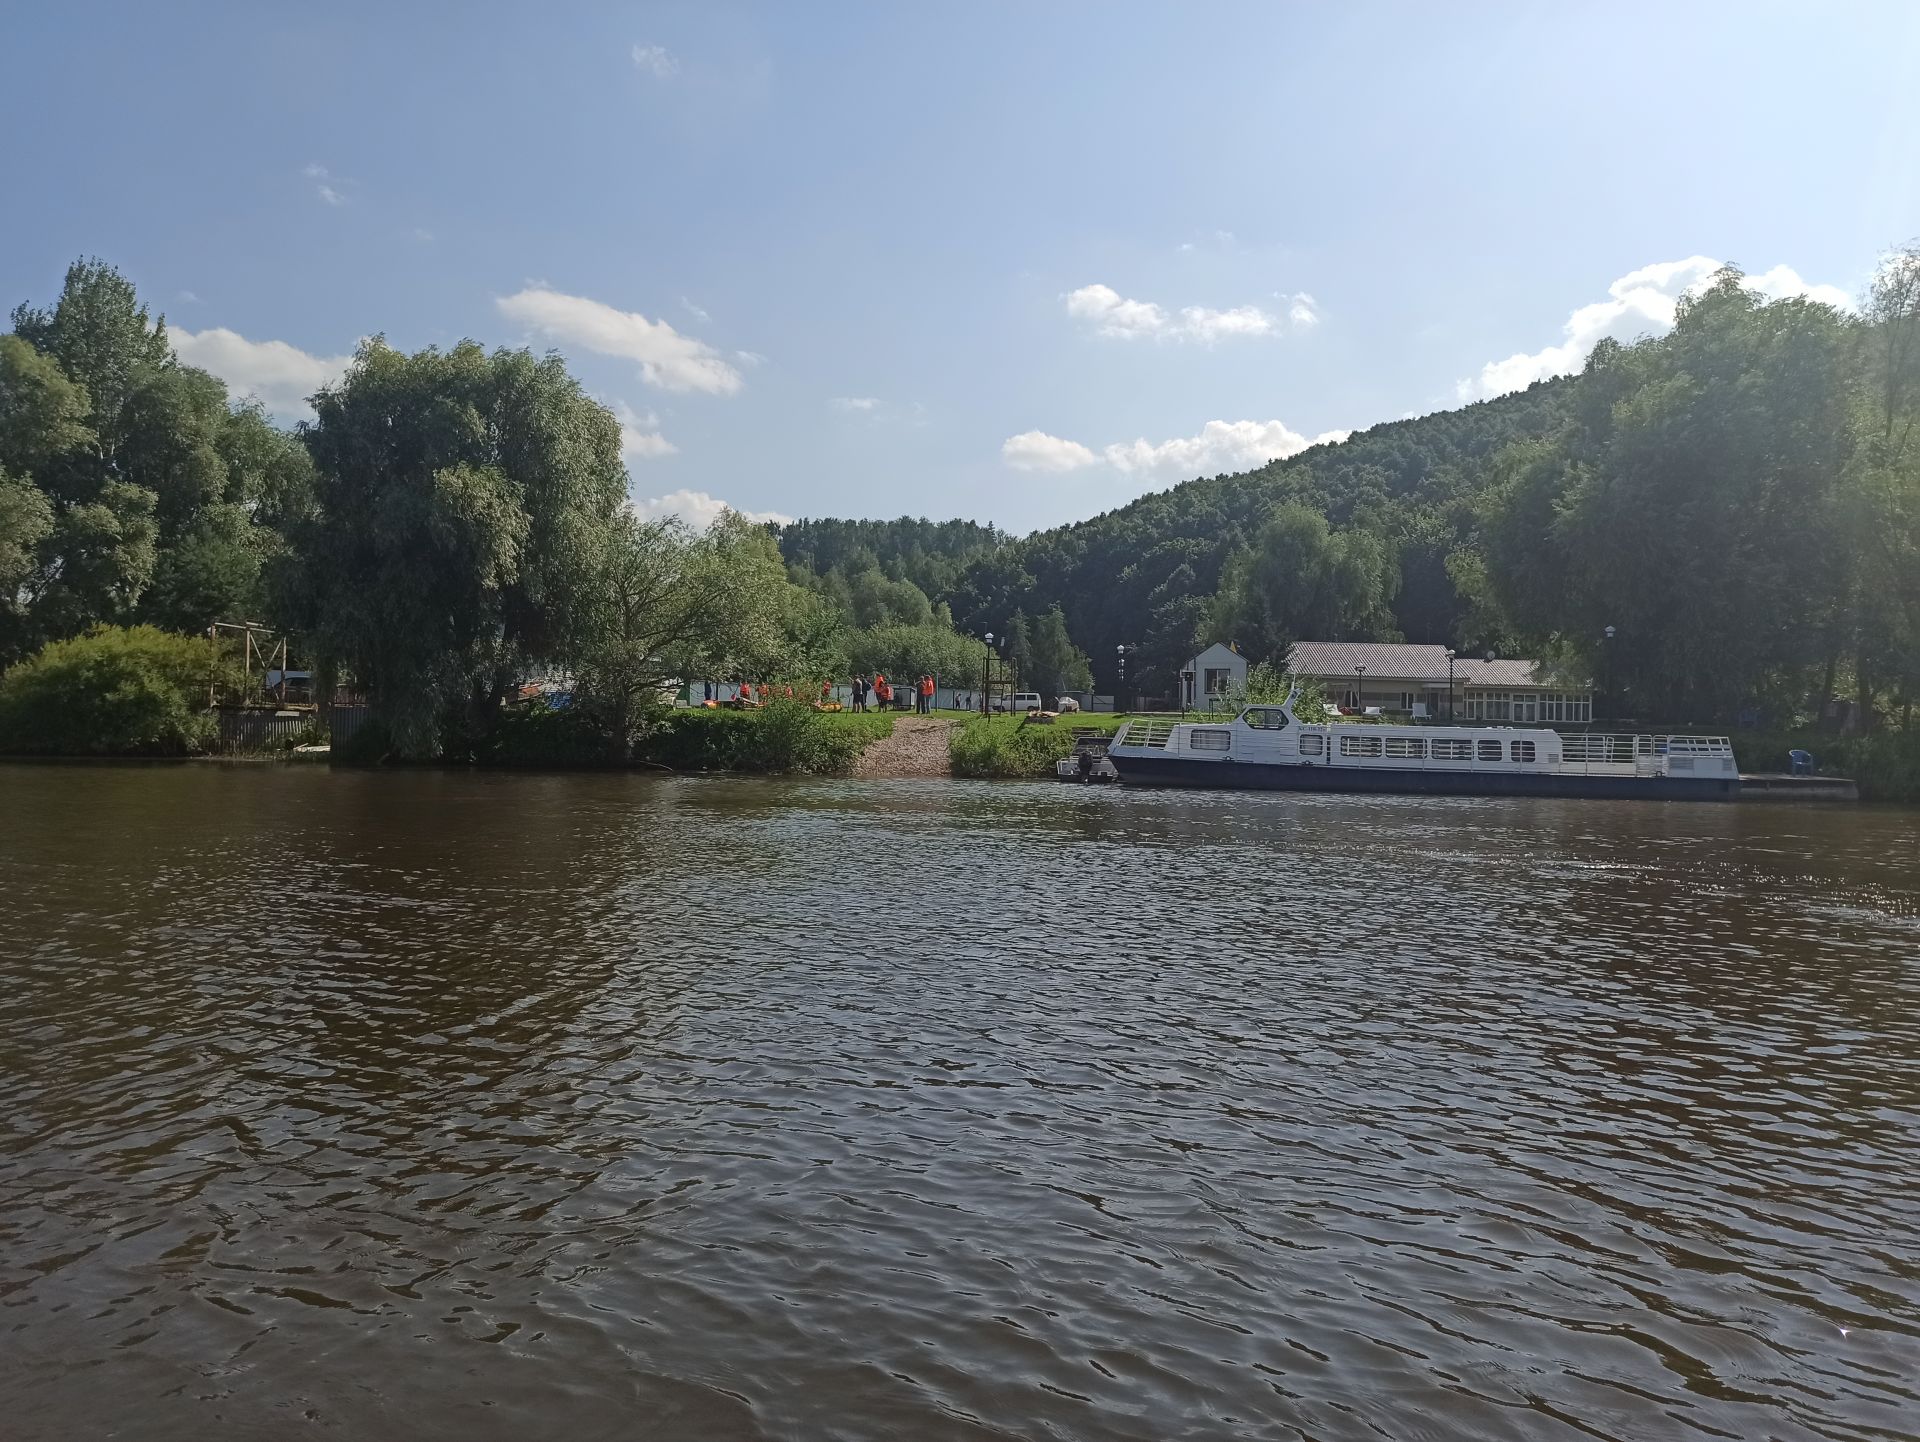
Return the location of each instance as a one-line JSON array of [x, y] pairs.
[[461, 505]]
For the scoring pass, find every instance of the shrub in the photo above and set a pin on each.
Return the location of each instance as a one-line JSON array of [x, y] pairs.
[[984, 747], [783, 736], [538, 735], [115, 691]]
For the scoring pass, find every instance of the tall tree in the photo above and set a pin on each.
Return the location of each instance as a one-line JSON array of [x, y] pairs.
[[461, 503], [1302, 581]]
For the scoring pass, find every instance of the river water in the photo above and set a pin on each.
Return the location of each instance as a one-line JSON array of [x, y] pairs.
[[433, 1105]]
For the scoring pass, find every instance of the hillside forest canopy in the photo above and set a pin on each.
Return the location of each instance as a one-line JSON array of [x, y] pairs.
[[1739, 499]]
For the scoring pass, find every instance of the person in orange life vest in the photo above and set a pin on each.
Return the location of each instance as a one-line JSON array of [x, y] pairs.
[[926, 695], [882, 692]]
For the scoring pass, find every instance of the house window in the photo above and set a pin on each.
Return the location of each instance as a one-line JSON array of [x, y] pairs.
[[1359, 745], [1521, 751], [1408, 747], [1489, 750], [1218, 680], [1445, 748], [1406, 700], [1313, 745], [1211, 739]]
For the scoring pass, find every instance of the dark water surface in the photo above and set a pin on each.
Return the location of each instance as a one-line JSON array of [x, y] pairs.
[[518, 1107]]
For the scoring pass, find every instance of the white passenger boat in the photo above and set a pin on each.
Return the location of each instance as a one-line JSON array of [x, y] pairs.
[[1270, 748]]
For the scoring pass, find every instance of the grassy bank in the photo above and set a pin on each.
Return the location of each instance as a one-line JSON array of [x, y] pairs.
[[1886, 764], [1008, 749], [785, 736]]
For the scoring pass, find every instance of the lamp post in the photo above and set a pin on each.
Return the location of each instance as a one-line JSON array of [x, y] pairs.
[[986, 679], [1449, 685], [1360, 690], [1606, 681], [1120, 687]]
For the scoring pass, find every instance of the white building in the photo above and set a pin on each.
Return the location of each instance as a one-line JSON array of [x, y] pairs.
[[1215, 678]]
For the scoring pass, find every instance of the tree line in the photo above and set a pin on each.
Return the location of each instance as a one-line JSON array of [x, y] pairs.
[[1720, 524], [1723, 521], [448, 526]]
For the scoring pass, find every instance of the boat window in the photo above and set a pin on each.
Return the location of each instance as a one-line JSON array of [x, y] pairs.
[[1451, 748], [1522, 751], [1313, 745], [1359, 745], [1406, 746], [1267, 718], [1489, 750], [1211, 739]]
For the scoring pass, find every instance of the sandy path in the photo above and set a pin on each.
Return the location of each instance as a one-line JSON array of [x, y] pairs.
[[918, 747]]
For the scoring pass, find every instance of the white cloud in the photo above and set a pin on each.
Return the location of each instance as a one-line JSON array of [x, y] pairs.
[[700, 509], [668, 359], [1038, 451], [187, 297], [640, 438], [423, 235], [697, 312], [324, 184], [1221, 446], [278, 375], [1112, 314], [1639, 303], [749, 357], [855, 403], [654, 60]]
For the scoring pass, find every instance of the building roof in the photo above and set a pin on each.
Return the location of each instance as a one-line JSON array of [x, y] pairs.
[[1217, 654], [1343, 658], [1471, 672], [1338, 659]]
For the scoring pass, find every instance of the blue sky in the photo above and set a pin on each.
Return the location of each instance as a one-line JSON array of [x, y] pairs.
[[1013, 262]]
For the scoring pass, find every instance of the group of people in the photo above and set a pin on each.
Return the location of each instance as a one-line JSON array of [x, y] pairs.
[[882, 692]]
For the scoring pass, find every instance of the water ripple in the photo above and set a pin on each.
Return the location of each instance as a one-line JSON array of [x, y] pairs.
[[472, 1106]]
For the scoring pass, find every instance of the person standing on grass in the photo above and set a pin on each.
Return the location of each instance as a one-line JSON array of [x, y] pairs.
[[926, 695], [859, 693]]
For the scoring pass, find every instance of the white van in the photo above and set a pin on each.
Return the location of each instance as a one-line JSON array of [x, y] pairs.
[[1020, 702]]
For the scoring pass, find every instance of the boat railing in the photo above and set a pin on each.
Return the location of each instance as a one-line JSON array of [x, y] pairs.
[[1145, 733], [1626, 748]]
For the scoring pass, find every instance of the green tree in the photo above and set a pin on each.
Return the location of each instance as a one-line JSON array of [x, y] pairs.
[[1054, 664], [111, 692], [43, 415], [100, 335], [1300, 580], [1695, 501], [461, 505]]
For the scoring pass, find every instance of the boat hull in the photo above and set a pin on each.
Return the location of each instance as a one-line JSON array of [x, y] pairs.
[[1281, 776]]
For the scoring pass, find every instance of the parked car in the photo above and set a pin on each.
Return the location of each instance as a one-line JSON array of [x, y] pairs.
[[1064, 704], [1019, 703]]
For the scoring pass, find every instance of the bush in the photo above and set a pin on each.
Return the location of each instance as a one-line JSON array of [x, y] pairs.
[[783, 736], [1007, 749], [538, 735], [1886, 764], [115, 691]]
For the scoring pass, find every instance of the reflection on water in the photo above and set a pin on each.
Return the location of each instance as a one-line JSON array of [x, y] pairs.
[[436, 1105]]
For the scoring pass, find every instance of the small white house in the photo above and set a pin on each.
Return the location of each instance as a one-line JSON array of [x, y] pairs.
[[1212, 679]]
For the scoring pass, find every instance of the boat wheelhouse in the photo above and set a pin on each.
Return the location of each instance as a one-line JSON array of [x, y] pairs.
[[1270, 748]]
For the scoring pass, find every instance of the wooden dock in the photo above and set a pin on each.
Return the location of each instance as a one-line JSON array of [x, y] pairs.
[[1777, 786]]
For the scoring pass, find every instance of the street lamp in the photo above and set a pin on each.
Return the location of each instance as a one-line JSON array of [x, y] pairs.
[[1606, 650], [986, 679], [1360, 690], [1120, 687], [1449, 685]]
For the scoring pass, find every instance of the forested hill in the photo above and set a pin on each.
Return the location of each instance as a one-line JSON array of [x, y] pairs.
[[1142, 575]]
